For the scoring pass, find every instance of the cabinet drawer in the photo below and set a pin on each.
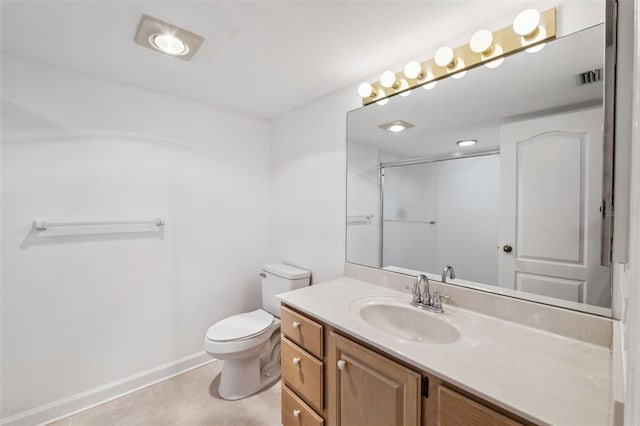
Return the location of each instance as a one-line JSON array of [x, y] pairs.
[[455, 409], [302, 330], [302, 373], [292, 405]]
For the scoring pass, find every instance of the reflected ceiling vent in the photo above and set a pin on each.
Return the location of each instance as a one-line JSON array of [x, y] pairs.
[[588, 77]]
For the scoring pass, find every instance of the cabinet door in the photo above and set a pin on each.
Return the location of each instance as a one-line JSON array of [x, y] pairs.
[[455, 409], [367, 389]]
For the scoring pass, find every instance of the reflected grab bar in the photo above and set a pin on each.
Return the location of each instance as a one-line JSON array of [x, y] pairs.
[[41, 225]]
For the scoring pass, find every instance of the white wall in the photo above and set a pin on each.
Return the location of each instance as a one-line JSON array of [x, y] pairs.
[[82, 311], [308, 163]]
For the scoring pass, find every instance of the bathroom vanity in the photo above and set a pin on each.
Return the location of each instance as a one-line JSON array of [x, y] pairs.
[[343, 366]]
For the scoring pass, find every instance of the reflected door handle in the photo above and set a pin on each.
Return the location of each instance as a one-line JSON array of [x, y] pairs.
[[507, 248]]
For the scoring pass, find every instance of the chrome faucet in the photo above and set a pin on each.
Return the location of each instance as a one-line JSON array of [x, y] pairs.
[[423, 299], [448, 270]]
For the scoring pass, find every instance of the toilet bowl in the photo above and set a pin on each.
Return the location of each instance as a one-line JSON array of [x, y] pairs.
[[249, 343]]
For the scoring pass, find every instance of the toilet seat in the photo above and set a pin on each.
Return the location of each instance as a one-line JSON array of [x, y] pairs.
[[240, 327]]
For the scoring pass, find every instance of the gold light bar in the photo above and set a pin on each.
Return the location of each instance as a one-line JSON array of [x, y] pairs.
[[505, 42]]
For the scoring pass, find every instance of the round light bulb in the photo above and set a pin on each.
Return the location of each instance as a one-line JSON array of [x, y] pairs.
[[387, 79], [459, 75], [526, 23], [365, 90], [405, 93], [413, 69], [444, 57], [481, 41], [495, 63], [168, 43], [382, 102], [536, 48]]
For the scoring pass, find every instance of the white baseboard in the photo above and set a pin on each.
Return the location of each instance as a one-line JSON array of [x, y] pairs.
[[96, 396]]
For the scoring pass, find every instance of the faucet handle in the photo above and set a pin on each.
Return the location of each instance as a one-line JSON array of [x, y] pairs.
[[436, 299]]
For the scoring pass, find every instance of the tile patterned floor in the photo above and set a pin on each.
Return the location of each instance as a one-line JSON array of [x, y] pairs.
[[188, 399]]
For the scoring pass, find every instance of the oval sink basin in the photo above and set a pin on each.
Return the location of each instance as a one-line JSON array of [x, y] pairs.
[[407, 322]]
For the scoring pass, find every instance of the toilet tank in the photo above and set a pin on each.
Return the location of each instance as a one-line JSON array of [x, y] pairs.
[[278, 278]]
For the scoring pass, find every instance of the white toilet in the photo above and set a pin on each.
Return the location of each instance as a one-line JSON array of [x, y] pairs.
[[249, 343]]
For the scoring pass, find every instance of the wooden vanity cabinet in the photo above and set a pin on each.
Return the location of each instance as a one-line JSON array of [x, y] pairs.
[[329, 379], [369, 389]]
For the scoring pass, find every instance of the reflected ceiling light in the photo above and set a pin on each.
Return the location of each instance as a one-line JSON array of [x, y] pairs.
[[366, 90], [429, 86], [396, 126], [459, 75], [466, 142], [526, 23], [388, 80], [445, 57], [536, 48], [414, 70], [495, 63], [482, 42], [167, 38]]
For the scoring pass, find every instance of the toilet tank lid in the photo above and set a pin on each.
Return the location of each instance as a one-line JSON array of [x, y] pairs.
[[286, 271]]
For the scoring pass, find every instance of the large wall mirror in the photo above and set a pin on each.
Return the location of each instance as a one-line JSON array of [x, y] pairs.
[[498, 174]]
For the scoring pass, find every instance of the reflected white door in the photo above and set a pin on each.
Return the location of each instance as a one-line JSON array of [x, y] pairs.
[[550, 196]]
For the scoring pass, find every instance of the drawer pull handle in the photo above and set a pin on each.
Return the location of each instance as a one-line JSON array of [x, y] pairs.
[[296, 413], [296, 360], [342, 364], [296, 324]]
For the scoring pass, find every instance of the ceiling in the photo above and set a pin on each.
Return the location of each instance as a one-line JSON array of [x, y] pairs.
[[259, 58], [524, 86]]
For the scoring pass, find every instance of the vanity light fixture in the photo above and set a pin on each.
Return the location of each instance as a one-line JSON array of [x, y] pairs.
[[482, 42], [526, 23], [388, 80], [530, 30], [414, 70], [466, 142], [396, 126], [366, 90], [445, 57], [167, 38]]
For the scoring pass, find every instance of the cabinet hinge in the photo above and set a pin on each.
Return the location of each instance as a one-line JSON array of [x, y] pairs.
[[425, 387]]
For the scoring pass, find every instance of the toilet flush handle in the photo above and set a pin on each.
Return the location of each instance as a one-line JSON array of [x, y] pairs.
[[295, 324]]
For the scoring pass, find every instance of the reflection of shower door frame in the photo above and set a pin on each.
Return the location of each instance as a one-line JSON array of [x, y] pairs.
[[418, 160]]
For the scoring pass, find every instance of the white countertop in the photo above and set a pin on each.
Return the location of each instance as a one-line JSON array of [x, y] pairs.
[[545, 378]]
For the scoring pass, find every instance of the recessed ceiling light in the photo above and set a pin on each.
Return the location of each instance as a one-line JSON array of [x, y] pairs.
[[167, 38], [168, 43], [396, 126], [467, 142]]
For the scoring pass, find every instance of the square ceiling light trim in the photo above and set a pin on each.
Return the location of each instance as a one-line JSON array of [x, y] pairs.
[[152, 33]]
